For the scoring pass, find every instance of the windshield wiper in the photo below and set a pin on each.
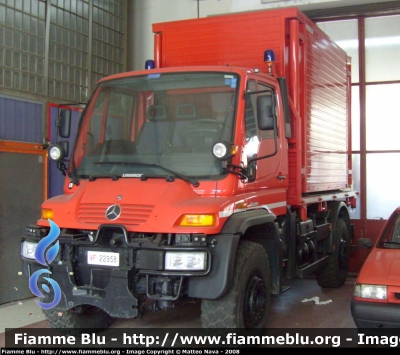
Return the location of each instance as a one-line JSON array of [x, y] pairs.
[[188, 179], [113, 177], [390, 242]]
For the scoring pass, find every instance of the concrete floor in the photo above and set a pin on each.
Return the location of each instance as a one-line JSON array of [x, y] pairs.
[[303, 305]]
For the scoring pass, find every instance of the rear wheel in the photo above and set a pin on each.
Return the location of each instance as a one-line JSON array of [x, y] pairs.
[[246, 305], [334, 273], [78, 319]]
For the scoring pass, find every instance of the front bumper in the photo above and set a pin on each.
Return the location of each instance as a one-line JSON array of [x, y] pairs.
[[380, 318], [115, 298], [121, 290]]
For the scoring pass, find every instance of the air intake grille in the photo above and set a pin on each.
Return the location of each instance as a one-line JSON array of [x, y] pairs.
[[130, 214]]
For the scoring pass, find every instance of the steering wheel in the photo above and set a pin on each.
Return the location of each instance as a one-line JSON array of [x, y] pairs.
[[201, 133]]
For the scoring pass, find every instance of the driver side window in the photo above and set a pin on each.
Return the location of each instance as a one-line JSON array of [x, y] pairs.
[[250, 122], [266, 90]]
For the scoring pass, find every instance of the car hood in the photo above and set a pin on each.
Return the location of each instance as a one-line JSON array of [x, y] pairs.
[[381, 267]]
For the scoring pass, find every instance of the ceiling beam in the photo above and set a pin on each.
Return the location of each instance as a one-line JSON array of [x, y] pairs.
[[367, 10]]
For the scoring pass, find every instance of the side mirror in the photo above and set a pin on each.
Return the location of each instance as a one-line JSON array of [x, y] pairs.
[[265, 113], [365, 243], [63, 123]]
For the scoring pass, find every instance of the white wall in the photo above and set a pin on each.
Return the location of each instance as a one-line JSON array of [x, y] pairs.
[[142, 13]]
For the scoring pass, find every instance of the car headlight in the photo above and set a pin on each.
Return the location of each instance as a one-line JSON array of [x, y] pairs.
[[375, 292], [28, 249], [196, 260]]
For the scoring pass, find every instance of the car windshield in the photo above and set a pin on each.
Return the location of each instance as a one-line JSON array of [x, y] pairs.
[[391, 234], [156, 125]]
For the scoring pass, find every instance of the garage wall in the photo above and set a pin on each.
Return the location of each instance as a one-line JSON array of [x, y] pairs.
[[20, 120], [20, 201], [60, 48]]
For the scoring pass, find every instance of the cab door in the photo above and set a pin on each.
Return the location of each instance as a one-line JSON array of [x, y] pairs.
[[265, 150]]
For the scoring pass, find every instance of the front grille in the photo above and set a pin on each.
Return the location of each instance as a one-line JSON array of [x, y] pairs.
[[131, 214]]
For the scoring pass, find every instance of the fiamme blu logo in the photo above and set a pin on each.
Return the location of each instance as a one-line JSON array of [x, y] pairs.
[[45, 253]]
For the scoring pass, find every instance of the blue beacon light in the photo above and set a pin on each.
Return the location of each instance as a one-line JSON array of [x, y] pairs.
[[149, 64], [269, 58]]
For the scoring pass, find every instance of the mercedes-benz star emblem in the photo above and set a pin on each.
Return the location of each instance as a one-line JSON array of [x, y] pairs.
[[113, 212]]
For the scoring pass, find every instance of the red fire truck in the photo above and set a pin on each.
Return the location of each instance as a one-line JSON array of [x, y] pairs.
[[218, 173]]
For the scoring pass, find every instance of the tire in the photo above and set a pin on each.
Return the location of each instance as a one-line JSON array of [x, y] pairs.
[[78, 320], [334, 273], [246, 305]]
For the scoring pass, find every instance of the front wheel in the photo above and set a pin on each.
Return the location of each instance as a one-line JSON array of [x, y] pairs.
[[79, 319], [246, 305], [334, 273]]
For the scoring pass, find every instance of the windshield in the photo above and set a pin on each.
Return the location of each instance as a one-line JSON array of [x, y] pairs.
[[156, 125], [390, 237]]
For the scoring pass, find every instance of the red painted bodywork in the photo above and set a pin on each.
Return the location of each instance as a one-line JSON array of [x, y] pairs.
[[381, 268]]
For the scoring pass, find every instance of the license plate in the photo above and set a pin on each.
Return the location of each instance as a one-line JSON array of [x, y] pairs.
[[102, 258]]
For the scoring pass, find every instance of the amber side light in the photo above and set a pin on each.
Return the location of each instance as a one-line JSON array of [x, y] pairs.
[[197, 220], [47, 214]]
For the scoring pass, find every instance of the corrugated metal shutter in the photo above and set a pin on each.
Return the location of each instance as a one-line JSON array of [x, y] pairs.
[[20, 120]]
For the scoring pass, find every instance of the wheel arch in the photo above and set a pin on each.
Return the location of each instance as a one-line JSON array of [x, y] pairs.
[[238, 223], [220, 279], [334, 272], [338, 209]]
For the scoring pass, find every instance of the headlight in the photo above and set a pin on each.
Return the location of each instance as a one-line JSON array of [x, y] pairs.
[[195, 260], [376, 292], [220, 150], [28, 249], [57, 151], [224, 150]]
